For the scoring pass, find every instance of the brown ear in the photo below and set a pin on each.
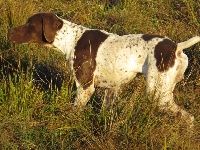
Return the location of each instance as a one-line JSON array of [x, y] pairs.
[[51, 24]]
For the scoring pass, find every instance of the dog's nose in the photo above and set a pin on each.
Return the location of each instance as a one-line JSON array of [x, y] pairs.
[[10, 35]]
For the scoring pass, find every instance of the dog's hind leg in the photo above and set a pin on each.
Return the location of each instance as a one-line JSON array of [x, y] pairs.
[[161, 87], [166, 102]]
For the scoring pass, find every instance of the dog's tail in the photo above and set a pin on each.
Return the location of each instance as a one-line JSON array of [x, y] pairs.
[[188, 43]]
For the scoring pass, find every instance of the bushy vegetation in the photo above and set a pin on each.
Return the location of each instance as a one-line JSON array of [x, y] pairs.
[[36, 86]]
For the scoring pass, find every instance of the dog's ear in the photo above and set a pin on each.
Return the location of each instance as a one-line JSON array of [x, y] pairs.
[[50, 25]]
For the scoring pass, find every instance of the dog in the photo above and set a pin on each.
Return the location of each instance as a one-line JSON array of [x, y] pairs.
[[102, 59]]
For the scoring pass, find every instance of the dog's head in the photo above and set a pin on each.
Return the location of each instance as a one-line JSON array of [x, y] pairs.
[[39, 28]]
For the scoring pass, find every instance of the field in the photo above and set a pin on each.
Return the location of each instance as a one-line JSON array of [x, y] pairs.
[[37, 92]]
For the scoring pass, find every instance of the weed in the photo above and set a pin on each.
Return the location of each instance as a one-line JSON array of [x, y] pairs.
[[36, 87]]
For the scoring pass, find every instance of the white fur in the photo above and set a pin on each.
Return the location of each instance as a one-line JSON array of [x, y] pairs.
[[120, 58]]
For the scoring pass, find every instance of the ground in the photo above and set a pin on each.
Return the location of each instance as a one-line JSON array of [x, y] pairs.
[[36, 86]]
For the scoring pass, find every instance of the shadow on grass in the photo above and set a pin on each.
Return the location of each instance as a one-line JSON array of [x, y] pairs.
[[44, 76], [47, 77]]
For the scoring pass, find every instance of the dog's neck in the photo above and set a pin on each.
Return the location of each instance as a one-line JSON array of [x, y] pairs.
[[67, 37]]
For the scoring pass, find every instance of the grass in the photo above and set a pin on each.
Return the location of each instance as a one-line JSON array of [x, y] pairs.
[[36, 87]]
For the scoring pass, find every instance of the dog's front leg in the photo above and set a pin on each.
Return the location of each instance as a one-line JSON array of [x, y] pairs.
[[83, 95], [109, 98]]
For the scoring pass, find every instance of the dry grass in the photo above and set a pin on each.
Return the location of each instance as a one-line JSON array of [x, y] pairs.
[[36, 89]]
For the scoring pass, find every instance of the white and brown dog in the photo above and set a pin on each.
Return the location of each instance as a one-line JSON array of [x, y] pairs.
[[102, 59]]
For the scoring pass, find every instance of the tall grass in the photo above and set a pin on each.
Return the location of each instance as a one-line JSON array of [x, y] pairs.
[[36, 87]]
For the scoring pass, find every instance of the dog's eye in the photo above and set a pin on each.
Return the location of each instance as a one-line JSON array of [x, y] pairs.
[[28, 20], [30, 26]]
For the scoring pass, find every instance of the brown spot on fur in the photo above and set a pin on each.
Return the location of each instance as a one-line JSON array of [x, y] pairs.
[[148, 37], [85, 54], [165, 54], [40, 28]]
